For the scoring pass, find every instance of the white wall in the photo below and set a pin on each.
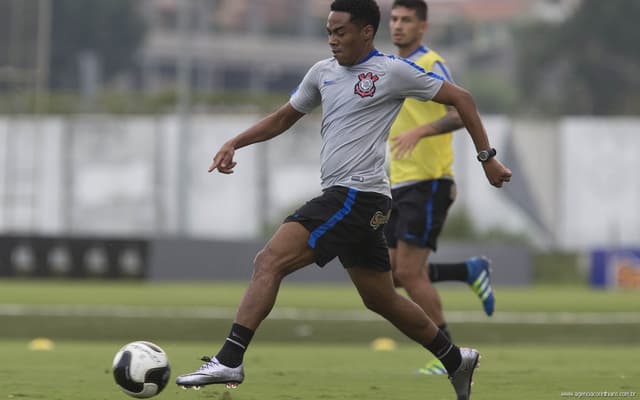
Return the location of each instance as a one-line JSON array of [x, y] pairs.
[[100, 174], [600, 173]]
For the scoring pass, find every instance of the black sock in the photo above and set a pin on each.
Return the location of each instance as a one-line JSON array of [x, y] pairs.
[[445, 329], [234, 346], [448, 272], [446, 352]]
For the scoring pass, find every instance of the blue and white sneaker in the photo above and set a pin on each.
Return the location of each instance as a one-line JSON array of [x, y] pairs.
[[479, 279]]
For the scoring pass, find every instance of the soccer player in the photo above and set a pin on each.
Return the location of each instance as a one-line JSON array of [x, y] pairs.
[[361, 91], [422, 184]]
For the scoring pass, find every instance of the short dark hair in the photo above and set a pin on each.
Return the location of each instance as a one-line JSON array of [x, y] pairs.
[[419, 6], [365, 12]]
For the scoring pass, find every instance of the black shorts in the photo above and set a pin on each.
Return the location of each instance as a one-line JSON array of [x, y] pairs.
[[419, 211], [348, 224]]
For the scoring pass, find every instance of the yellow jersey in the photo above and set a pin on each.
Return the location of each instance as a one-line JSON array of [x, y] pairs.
[[432, 158]]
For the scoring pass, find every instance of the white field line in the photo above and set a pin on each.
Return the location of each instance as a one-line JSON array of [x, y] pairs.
[[535, 318]]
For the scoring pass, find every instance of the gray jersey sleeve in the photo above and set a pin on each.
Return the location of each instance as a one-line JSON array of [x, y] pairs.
[[413, 81], [306, 96]]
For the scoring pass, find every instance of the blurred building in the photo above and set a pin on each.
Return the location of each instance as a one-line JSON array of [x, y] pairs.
[[24, 44], [262, 45], [246, 45], [110, 174], [269, 44]]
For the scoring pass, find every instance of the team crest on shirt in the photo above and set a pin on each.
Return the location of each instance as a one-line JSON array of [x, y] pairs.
[[366, 85]]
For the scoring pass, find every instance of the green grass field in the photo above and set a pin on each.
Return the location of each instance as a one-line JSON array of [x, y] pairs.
[[81, 370], [312, 355], [227, 294]]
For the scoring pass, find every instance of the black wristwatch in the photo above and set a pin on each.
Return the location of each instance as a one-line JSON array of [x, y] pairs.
[[486, 155]]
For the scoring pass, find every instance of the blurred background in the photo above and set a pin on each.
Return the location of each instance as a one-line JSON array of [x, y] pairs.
[[110, 113]]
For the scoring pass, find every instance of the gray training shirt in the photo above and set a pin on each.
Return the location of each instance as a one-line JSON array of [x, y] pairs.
[[359, 104]]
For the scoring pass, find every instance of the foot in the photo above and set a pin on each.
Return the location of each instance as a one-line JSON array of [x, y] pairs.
[[433, 367], [462, 379], [212, 372], [479, 279]]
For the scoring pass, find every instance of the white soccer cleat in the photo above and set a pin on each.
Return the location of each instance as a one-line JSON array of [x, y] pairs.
[[462, 379], [212, 372]]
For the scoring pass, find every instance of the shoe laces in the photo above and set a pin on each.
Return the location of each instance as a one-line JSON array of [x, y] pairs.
[[208, 362]]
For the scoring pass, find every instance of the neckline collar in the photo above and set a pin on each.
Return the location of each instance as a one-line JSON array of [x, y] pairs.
[[421, 48], [372, 53]]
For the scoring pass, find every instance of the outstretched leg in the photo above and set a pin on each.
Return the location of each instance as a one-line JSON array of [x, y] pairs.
[[378, 294], [286, 252]]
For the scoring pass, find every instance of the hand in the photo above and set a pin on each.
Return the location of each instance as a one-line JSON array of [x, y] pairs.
[[496, 172], [404, 144], [223, 160]]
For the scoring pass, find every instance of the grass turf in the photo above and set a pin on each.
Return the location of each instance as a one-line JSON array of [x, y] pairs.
[[325, 297], [81, 370], [331, 360], [182, 296]]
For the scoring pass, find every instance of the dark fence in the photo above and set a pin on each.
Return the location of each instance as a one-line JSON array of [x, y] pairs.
[[182, 259], [72, 257]]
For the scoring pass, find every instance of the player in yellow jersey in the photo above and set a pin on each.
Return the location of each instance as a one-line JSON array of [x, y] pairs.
[[422, 182]]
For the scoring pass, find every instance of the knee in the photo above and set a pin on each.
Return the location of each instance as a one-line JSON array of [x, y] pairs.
[[265, 264], [404, 275], [377, 304], [371, 304]]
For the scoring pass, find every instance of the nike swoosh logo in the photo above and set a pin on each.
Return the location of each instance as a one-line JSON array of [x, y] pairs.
[[328, 82]]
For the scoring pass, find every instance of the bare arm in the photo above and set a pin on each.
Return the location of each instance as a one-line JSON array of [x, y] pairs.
[[405, 143], [269, 127], [449, 123], [462, 100]]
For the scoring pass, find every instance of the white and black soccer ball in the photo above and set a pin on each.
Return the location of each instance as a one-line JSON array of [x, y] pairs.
[[141, 369]]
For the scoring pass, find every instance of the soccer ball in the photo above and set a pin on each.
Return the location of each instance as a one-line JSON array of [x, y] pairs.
[[141, 369]]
